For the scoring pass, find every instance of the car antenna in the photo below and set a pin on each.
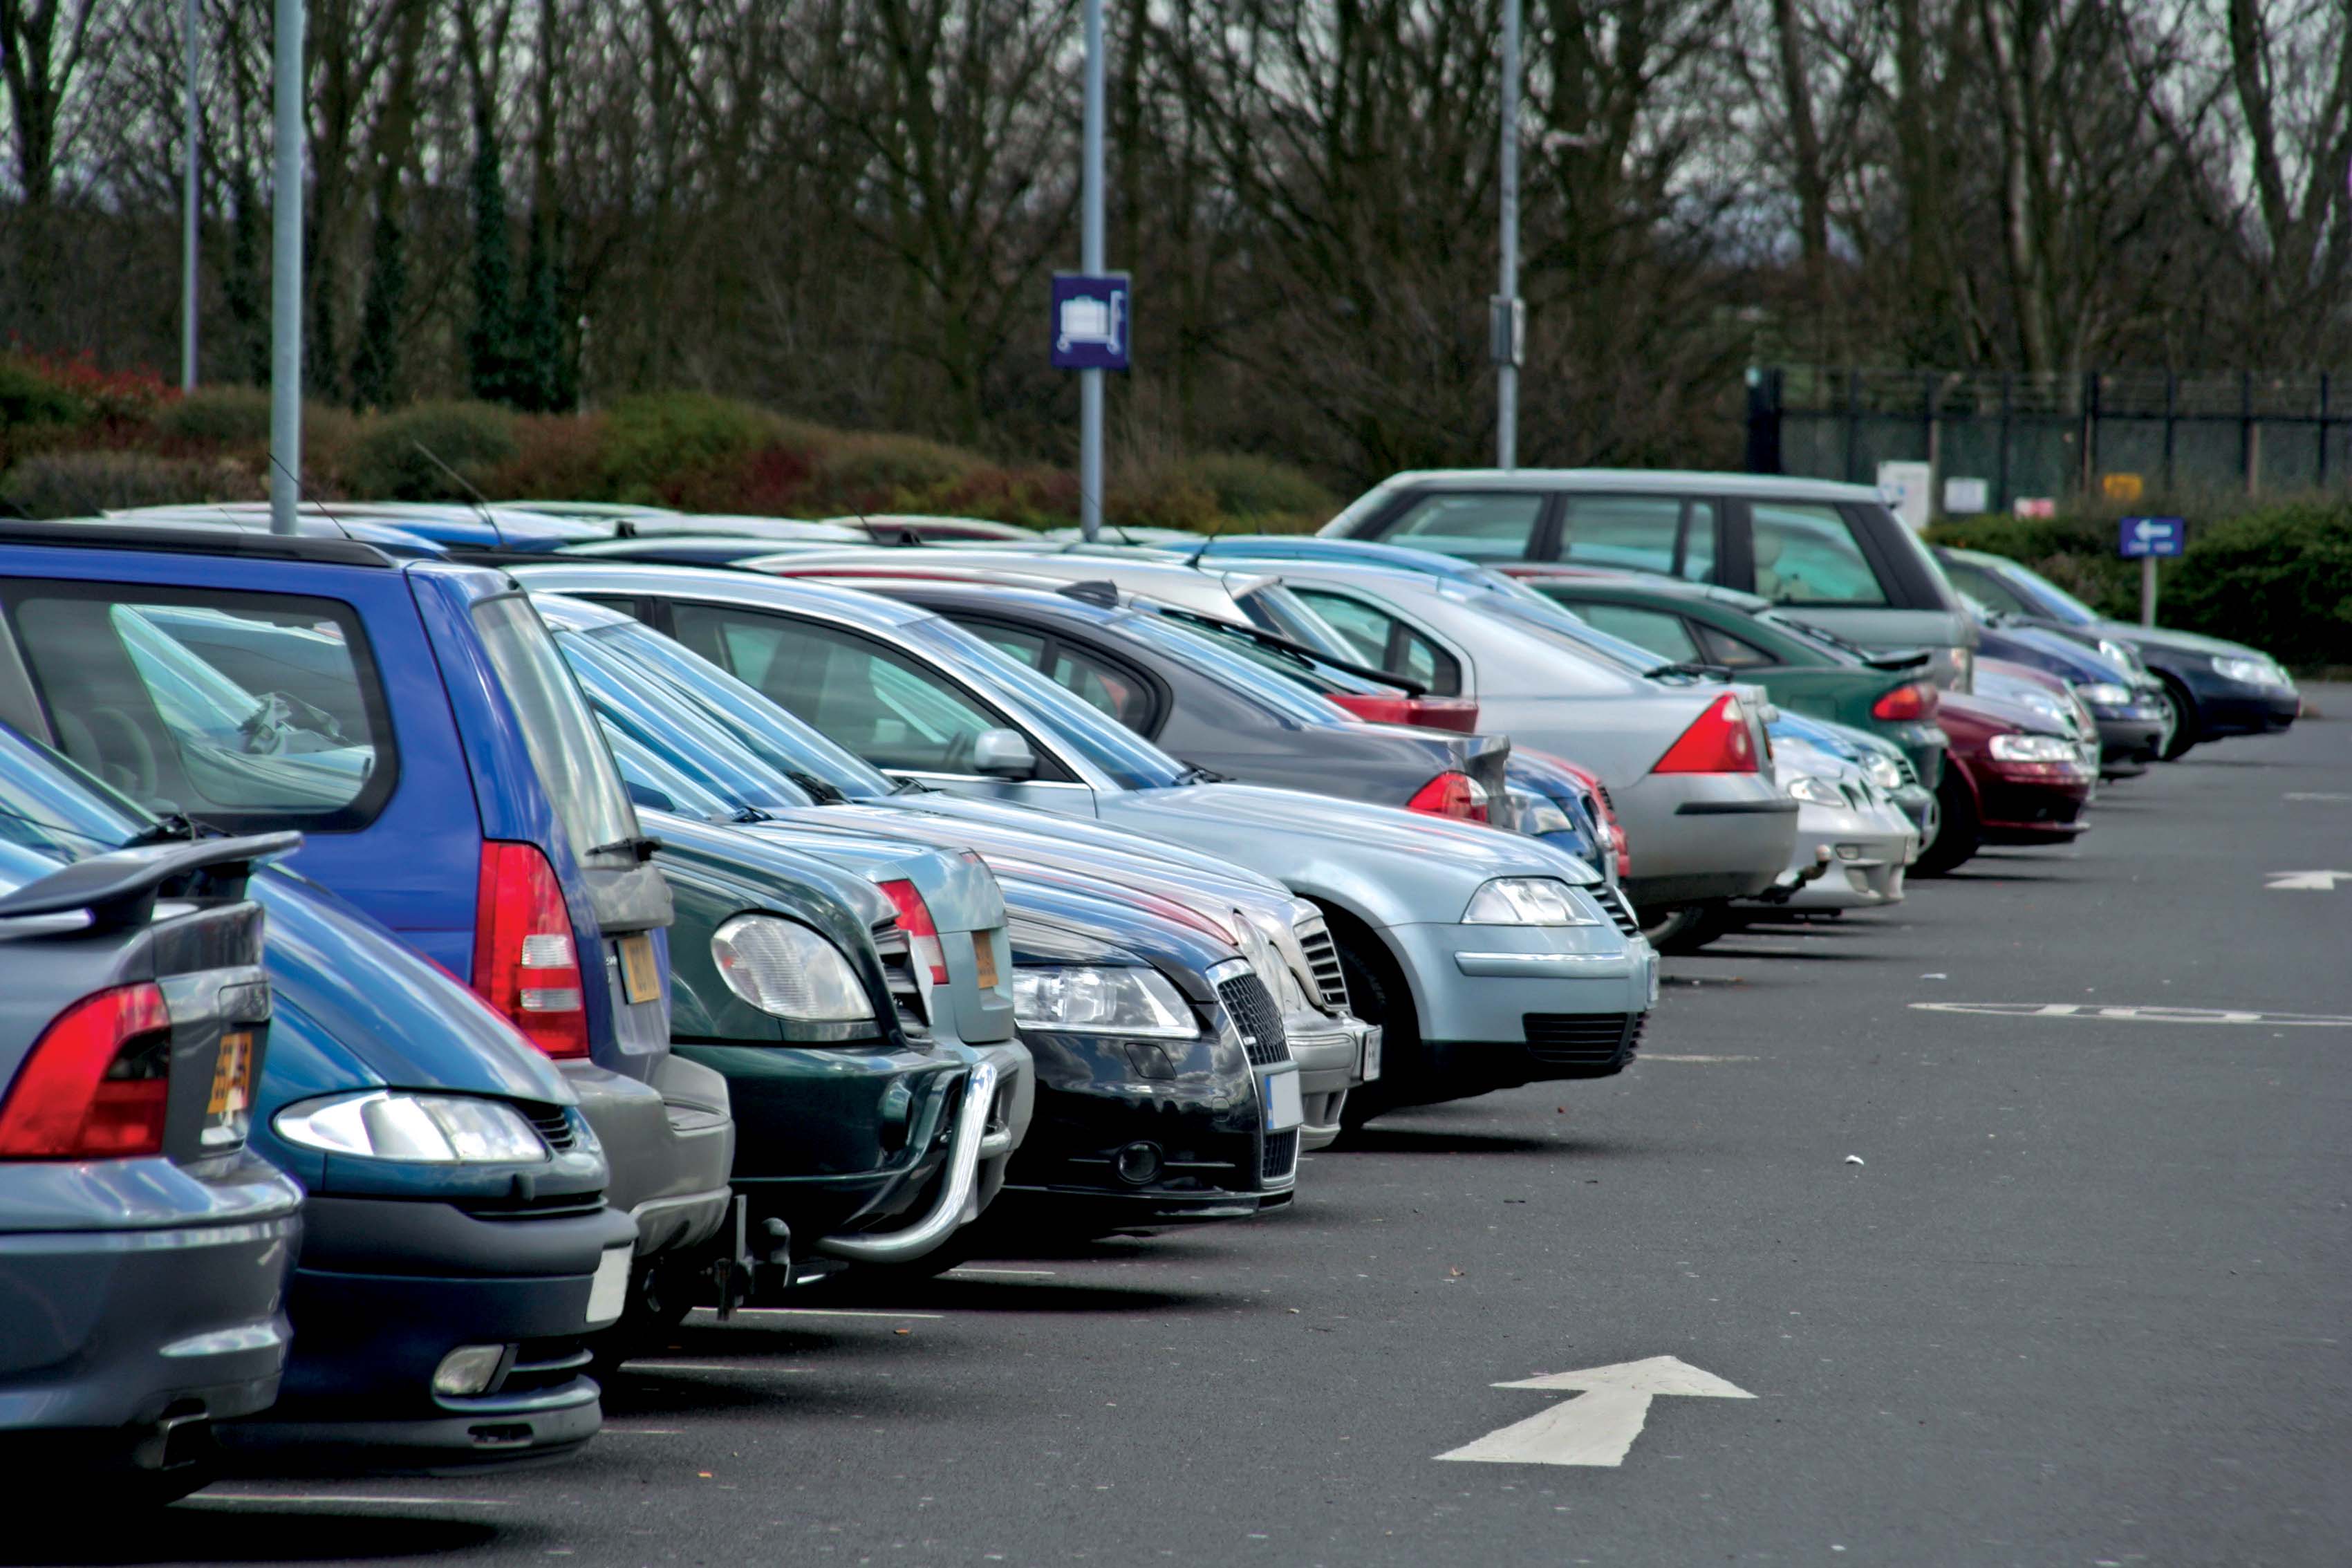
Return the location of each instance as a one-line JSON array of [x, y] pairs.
[[1195, 561], [481, 502], [303, 492]]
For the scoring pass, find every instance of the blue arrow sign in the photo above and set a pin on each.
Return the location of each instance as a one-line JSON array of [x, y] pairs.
[[2152, 536]]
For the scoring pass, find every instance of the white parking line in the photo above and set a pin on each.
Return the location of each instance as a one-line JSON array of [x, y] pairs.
[[341, 1497], [1009, 1273], [1661, 1057], [642, 1432], [827, 1312], [639, 1365]]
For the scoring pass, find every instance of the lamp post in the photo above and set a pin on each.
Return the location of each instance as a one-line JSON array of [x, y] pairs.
[[1509, 314], [188, 199], [1090, 261], [285, 277]]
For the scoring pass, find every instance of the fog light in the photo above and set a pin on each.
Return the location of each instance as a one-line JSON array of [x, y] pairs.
[[468, 1369], [1138, 1163], [1849, 851]]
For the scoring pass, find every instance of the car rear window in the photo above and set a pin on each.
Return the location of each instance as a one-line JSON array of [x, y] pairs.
[[248, 711], [568, 754]]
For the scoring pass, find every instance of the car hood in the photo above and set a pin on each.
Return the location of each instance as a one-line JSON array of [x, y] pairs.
[[2179, 642], [1056, 924], [1076, 836]]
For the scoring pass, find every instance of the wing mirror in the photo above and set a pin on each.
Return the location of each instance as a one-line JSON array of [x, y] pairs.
[[1002, 753]]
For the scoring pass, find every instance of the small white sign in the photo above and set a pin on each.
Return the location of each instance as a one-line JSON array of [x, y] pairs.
[[608, 1292], [1965, 497], [1908, 491], [1285, 1107]]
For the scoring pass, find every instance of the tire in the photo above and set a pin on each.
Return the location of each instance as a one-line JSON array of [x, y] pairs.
[[1377, 993], [1959, 837], [2185, 732], [1687, 929]]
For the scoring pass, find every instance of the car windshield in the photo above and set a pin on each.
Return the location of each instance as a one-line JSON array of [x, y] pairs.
[[2055, 600], [703, 769], [1278, 693], [52, 812], [772, 733], [1119, 753], [1302, 668], [566, 750]]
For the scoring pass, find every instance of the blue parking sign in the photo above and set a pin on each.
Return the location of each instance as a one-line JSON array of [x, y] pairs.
[[1090, 321], [2152, 536]]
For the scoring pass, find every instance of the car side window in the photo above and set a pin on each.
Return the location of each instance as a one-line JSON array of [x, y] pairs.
[[1985, 588], [1699, 542], [1097, 682], [1384, 642], [1026, 647], [1660, 631], [1807, 555], [1478, 526], [1724, 648], [1630, 532], [891, 709]]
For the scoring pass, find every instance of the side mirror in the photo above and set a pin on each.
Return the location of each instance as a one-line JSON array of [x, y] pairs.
[[1002, 754]]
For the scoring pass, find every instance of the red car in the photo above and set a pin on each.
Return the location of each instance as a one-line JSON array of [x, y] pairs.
[[2010, 777]]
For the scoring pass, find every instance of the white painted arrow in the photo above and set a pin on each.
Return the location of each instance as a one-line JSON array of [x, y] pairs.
[[2307, 881], [1599, 1427]]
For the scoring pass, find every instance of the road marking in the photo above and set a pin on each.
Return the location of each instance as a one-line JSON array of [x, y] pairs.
[[2316, 794], [1600, 1427], [641, 1431], [341, 1497], [2305, 881], [2137, 1015], [828, 1312], [708, 1366], [1008, 1273], [1662, 1057]]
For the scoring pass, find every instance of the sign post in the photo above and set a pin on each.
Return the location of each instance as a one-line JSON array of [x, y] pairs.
[[2146, 538], [1090, 258]]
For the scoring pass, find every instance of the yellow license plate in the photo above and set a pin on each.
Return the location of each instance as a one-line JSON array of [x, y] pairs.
[[232, 1094], [983, 952], [640, 978]]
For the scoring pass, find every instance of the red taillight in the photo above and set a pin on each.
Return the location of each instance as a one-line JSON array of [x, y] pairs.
[[1717, 742], [1916, 700], [526, 963], [915, 920], [96, 1084], [1376, 708], [1459, 714], [1451, 795]]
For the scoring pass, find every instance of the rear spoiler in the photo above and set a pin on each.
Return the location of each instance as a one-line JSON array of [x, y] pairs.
[[120, 888]]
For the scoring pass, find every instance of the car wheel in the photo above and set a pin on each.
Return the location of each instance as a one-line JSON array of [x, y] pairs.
[[2184, 732], [1958, 837], [1687, 929], [1377, 993]]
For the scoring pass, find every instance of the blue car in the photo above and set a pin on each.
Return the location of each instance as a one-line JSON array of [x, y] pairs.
[[2134, 716], [144, 1245], [456, 1249], [412, 719]]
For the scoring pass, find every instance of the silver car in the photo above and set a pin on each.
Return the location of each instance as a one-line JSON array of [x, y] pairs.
[[1853, 842], [1489, 959]]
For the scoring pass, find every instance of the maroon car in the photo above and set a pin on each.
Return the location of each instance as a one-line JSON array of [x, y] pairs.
[[2011, 777]]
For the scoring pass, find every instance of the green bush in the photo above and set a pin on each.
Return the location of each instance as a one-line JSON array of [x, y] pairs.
[[894, 473], [652, 440], [2279, 580], [557, 457], [1248, 489], [388, 458], [220, 416], [29, 397], [79, 484]]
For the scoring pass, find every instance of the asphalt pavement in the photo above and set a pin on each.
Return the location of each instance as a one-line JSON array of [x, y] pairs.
[[2064, 1281]]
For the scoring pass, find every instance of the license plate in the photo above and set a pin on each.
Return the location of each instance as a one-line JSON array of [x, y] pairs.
[[1284, 1107], [640, 976], [608, 1293], [231, 1101], [1369, 1069], [984, 954]]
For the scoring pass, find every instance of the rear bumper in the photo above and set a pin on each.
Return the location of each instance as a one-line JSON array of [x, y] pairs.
[[1705, 836], [670, 1144]]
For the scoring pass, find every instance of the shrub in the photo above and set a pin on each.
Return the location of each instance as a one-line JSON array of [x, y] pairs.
[[29, 395], [219, 417], [1247, 488], [78, 484], [768, 481], [654, 438], [1030, 497], [891, 473], [1162, 499], [2279, 579], [557, 457], [386, 464]]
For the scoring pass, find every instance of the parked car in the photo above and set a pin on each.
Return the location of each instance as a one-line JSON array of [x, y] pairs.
[[1683, 758], [1487, 959], [675, 549], [923, 528], [456, 1250], [414, 719], [1803, 670], [2023, 685], [1853, 842], [1833, 550], [450, 525], [2014, 776], [1883, 763], [2217, 688], [2129, 709], [666, 708], [144, 1246]]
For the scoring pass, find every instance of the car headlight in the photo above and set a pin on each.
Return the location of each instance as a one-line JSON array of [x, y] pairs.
[[1536, 815], [785, 969], [2104, 694], [1883, 770], [428, 1129], [1086, 1000], [1817, 791], [1281, 980], [1527, 901], [2032, 749], [2250, 672], [2121, 652]]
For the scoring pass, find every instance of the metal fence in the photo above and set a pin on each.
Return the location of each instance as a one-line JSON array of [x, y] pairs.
[[2061, 436]]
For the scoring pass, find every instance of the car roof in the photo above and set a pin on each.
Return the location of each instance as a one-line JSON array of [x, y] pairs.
[[190, 539], [1128, 568], [721, 585], [1651, 583], [1636, 481]]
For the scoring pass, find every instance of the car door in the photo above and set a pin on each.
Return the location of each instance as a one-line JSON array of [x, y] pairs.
[[899, 712]]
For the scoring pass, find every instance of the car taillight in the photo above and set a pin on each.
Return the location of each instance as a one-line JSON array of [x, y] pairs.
[[915, 920], [526, 963], [1451, 795], [1717, 742], [1375, 708], [1458, 714], [1915, 700], [96, 1082]]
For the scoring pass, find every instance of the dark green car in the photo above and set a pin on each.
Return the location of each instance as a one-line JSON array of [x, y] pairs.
[[1804, 670]]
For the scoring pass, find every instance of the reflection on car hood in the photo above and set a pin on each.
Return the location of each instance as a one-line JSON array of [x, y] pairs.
[[2182, 642], [1076, 834], [1260, 824]]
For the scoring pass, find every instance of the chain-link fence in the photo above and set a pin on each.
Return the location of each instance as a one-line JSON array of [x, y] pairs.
[[2060, 436]]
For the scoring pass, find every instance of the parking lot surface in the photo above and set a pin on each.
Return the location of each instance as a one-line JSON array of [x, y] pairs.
[[2061, 1281]]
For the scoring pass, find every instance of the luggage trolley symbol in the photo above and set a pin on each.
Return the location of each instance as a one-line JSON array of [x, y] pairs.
[[1096, 322]]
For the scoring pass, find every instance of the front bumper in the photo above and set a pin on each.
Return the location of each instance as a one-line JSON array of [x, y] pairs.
[[2128, 735], [2234, 707], [669, 1142], [1333, 1055], [386, 1289], [2015, 810], [1474, 986], [1696, 836]]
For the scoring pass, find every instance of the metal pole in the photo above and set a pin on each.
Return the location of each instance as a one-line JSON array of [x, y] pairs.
[[189, 198], [285, 277], [1506, 328], [2148, 590], [1090, 261]]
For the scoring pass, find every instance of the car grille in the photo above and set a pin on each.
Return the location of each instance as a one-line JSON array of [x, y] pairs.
[[1601, 1040], [1257, 1018], [553, 1126], [1621, 913], [1323, 958], [899, 973], [1278, 1160]]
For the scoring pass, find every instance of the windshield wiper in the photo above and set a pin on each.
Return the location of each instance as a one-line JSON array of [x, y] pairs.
[[640, 846], [815, 788], [913, 787], [746, 814], [1194, 773]]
